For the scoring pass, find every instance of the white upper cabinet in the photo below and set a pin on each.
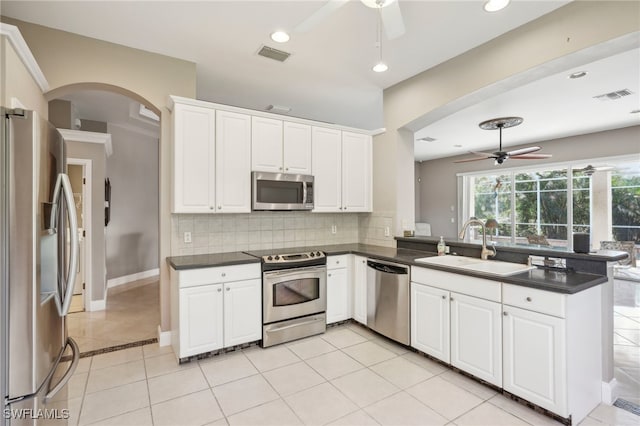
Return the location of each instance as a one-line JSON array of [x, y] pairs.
[[233, 162], [193, 159], [266, 145], [356, 172], [342, 171], [280, 147], [327, 169], [297, 148]]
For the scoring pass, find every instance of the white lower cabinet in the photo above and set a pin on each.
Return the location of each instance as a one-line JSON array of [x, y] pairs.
[[360, 289], [430, 321], [213, 308], [338, 295]]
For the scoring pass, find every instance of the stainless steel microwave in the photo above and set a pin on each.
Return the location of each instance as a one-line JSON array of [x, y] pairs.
[[281, 191]]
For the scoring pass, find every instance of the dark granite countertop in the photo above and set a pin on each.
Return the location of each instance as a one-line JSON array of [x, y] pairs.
[[556, 281]]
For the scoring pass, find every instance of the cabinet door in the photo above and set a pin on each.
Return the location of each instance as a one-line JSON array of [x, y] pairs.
[[233, 162], [326, 159], [266, 145], [430, 320], [242, 312], [476, 337], [356, 172], [200, 319], [360, 289], [193, 159], [297, 148], [338, 295], [534, 358]]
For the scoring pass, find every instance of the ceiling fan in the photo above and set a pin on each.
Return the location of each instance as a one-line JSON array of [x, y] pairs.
[[389, 11], [501, 156]]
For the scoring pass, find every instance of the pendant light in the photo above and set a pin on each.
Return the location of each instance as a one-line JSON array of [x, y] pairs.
[[380, 66]]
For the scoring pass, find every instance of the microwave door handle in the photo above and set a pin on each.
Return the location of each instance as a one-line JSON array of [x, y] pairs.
[[69, 280], [304, 192]]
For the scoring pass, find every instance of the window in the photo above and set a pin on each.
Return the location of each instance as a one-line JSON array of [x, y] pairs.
[[556, 202]]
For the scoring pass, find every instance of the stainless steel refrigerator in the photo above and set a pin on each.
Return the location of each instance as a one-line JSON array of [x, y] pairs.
[[38, 260]]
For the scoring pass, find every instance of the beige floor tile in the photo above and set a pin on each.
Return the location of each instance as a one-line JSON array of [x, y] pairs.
[[141, 417], [274, 413], [424, 362], [83, 365], [334, 364], [320, 404], [118, 375], [155, 350], [488, 414], [243, 394], [173, 385], [368, 353], [310, 347], [118, 357], [363, 331], [359, 418], [113, 402], [445, 398], [193, 409], [401, 372], [613, 415], [341, 337], [522, 412], [403, 409], [364, 387], [626, 323], [293, 378], [72, 405], [220, 422], [227, 368], [628, 311], [589, 421], [626, 356], [165, 364], [468, 384], [631, 335], [270, 358], [75, 388], [620, 340], [390, 345]]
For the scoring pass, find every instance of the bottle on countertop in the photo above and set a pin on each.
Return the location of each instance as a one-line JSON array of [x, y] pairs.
[[441, 247]]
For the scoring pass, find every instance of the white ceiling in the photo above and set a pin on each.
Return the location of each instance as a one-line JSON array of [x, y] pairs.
[[328, 76]]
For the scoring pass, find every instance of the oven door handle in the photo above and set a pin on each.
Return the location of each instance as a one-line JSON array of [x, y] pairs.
[[295, 271], [298, 324]]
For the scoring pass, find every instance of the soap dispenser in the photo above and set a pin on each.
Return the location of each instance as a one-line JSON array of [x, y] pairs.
[[441, 246]]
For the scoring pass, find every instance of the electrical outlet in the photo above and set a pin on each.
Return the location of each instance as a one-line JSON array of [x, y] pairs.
[[334, 229], [453, 220], [187, 237], [387, 231]]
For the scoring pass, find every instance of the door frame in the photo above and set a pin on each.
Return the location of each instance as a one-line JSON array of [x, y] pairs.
[[86, 222]]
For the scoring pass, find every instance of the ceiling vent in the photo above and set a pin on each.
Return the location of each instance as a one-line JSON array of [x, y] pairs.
[[275, 54], [426, 139], [612, 96]]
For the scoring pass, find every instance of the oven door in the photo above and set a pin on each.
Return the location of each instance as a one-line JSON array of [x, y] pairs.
[[292, 293]]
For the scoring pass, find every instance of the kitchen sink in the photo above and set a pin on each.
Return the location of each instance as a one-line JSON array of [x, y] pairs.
[[492, 267]]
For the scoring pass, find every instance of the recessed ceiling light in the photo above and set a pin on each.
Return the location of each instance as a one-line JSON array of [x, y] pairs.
[[377, 4], [280, 37], [278, 108], [495, 5], [577, 74], [380, 67]]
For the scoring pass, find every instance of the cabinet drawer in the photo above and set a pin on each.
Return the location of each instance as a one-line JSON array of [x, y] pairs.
[[340, 261], [545, 302], [464, 284], [220, 274]]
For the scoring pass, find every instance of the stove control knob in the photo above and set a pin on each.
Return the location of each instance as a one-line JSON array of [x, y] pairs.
[[319, 254], [312, 254], [269, 258], [277, 257]]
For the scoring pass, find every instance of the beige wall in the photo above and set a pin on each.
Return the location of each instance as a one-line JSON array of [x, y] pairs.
[[16, 81], [67, 59]]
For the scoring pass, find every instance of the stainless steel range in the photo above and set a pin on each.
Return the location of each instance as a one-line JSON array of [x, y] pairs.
[[294, 295]]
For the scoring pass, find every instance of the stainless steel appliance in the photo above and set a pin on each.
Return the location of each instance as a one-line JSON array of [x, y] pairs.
[[294, 294], [37, 268], [388, 299], [281, 191]]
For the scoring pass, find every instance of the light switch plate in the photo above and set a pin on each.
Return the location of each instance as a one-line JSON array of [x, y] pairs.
[[187, 237]]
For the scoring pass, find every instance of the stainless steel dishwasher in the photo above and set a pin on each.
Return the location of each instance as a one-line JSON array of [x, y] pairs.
[[388, 299]]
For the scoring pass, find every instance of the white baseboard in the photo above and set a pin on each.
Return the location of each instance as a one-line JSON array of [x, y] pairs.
[[164, 337], [98, 305], [114, 282], [610, 391]]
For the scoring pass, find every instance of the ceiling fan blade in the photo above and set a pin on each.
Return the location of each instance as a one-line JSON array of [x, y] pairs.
[[530, 156], [484, 154], [466, 160], [524, 151], [327, 9], [392, 20]]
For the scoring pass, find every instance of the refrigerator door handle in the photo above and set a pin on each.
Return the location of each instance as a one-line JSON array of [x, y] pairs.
[[67, 375], [62, 183]]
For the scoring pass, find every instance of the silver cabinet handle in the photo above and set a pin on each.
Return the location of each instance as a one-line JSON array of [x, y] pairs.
[[287, 169], [210, 207], [219, 290], [328, 275], [224, 274], [345, 207], [528, 299], [219, 207], [340, 208], [337, 262], [504, 313], [444, 297], [451, 298], [280, 168], [228, 289]]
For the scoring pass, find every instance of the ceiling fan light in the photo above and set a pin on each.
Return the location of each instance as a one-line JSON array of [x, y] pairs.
[[377, 4], [495, 5], [380, 67], [280, 37]]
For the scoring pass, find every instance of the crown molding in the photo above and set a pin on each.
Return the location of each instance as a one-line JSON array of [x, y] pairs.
[[88, 137], [22, 50]]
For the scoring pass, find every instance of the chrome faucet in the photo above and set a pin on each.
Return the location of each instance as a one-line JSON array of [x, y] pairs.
[[485, 253]]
